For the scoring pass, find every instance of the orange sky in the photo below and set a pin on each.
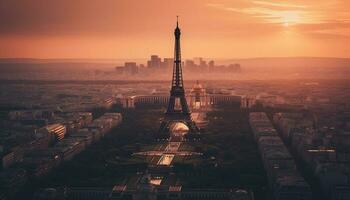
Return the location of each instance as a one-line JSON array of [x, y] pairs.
[[138, 28]]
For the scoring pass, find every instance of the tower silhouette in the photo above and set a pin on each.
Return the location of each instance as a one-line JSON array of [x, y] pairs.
[[177, 110]]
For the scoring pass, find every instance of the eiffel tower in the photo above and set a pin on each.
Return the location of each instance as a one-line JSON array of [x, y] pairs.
[[177, 110]]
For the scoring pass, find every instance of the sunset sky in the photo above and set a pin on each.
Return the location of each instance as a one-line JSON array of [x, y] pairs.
[[138, 28]]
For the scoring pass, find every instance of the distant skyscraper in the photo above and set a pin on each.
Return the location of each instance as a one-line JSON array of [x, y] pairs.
[[155, 62], [197, 60], [168, 63], [131, 68], [190, 65], [211, 66]]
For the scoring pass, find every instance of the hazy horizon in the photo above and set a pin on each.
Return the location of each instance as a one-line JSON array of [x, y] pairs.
[[184, 58]]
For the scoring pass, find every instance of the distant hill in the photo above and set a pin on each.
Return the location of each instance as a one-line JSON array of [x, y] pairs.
[[57, 65], [299, 62], [252, 68], [68, 60], [251, 62]]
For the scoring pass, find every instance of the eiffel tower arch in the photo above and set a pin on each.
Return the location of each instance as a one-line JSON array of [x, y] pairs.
[[177, 110]]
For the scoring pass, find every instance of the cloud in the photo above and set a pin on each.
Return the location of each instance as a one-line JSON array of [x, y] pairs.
[[270, 15], [322, 17], [282, 5], [36, 27]]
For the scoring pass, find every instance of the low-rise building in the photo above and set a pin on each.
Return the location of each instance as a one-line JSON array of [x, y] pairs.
[[283, 177], [54, 131], [69, 148], [7, 159]]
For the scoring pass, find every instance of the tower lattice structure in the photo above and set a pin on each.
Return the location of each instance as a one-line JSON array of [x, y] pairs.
[[177, 110]]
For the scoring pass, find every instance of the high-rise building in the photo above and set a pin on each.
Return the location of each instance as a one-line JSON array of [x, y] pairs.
[[155, 62], [203, 67], [130, 68], [197, 60], [168, 63], [190, 65], [211, 66]]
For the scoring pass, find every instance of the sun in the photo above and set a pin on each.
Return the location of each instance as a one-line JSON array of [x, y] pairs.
[[290, 18]]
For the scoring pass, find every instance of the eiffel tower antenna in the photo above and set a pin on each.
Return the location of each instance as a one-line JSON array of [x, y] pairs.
[[177, 20]]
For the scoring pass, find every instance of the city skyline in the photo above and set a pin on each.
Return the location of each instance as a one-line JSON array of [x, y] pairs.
[[214, 29], [172, 128]]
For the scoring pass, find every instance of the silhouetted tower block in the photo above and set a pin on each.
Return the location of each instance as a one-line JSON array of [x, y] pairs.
[[177, 110]]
